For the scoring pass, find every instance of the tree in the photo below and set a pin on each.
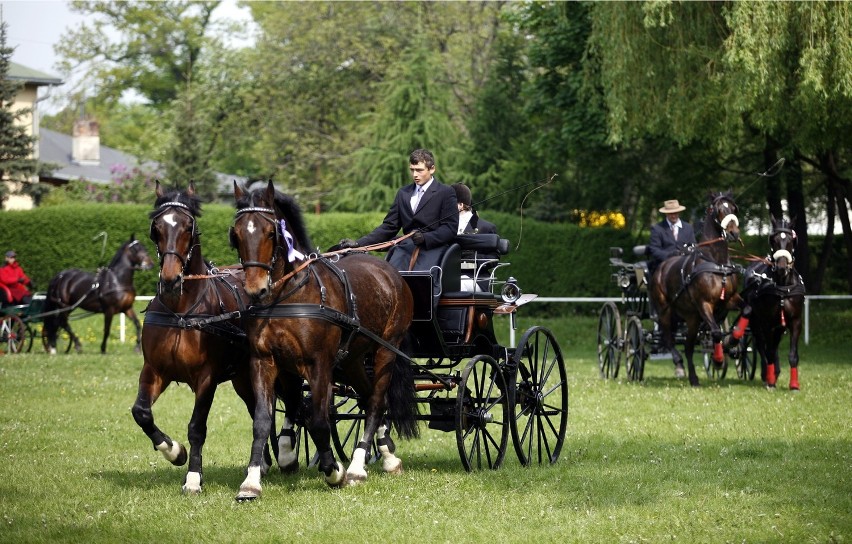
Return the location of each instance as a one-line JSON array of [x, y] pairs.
[[16, 145], [733, 76]]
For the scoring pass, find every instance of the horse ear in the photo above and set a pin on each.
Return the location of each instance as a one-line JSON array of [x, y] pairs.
[[153, 234], [232, 238], [158, 190], [190, 191], [238, 192], [270, 192]]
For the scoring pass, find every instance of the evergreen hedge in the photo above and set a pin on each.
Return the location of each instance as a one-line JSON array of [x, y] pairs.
[[548, 259]]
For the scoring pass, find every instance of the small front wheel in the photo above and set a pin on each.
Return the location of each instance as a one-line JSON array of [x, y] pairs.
[[13, 335], [482, 414], [609, 341]]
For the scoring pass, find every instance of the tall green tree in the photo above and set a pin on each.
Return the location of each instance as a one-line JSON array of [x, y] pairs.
[[16, 145], [732, 76]]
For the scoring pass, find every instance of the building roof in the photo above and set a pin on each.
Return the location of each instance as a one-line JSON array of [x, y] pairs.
[[19, 72], [55, 148]]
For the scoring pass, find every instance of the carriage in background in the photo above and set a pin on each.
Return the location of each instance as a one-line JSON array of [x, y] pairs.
[[622, 334]]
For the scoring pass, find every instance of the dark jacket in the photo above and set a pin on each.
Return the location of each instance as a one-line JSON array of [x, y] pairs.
[[663, 245], [437, 216]]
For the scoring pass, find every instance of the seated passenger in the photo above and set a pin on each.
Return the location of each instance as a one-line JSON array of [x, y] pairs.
[[471, 223], [12, 276]]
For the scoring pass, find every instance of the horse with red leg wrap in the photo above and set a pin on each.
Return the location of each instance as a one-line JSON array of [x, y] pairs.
[[700, 286], [317, 319], [775, 298]]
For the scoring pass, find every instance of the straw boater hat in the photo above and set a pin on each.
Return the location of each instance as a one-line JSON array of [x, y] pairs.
[[671, 206]]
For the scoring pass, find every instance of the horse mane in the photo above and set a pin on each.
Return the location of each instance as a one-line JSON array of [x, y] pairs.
[[120, 253], [193, 202], [286, 207]]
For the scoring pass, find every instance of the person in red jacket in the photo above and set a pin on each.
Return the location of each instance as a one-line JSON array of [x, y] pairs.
[[15, 281]]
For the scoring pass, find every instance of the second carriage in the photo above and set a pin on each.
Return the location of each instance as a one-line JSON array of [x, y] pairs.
[[622, 333]]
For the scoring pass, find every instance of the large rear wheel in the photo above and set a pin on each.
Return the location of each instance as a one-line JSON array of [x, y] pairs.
[[347, 425], [13, 335], [482, 414], [634, 350], [540, 403], [609, 341]]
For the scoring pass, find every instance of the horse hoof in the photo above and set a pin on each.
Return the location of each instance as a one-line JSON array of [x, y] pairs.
[[248, 494], [181, 458], [393, 467], [679, 373], [355, 479], [291, 468], [192, 483]]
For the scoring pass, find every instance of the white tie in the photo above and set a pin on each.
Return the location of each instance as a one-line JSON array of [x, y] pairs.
[[415, 200], [674, 231]]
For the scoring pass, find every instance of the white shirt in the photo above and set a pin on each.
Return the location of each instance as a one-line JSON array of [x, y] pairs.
[[419, 191], [464, 219]]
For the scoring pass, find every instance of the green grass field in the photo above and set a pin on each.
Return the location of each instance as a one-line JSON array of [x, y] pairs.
[[650, 462]]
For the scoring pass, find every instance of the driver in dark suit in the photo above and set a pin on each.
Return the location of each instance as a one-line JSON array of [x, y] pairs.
[[426, 207], [669, 237]]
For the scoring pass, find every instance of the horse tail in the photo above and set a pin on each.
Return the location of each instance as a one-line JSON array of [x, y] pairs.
[[402, 401], [50, 322]]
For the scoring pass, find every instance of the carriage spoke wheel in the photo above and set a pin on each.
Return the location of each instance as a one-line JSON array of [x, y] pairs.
[[13, 335], [347, 426], [634, 350], [540, 399], [747, 357], [303, 439], [609, 341], [63, 340], [482, 414]]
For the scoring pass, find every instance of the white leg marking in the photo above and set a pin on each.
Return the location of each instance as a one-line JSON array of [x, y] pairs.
[[391, 464], [192, 486], [356, 473], [250, 488], [169, 453], [287, 459], [337, 477]]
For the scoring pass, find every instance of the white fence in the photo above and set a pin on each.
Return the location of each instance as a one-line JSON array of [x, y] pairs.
[[599, 300]]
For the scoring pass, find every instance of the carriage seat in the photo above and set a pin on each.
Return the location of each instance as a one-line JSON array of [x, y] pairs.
[[480, 257]]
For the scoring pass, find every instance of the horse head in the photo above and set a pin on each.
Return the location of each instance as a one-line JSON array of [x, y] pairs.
[[722, 216], [175, 233], [269, 236], [782, 243]]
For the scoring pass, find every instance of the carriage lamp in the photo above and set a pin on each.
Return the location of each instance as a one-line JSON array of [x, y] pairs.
[[510, 292]]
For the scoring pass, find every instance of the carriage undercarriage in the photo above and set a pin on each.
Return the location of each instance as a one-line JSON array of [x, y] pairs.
[[626, 336]]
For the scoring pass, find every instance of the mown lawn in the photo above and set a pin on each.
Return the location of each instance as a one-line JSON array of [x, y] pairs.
[[650, 462]]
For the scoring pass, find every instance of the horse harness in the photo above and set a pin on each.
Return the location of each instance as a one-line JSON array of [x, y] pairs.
[[689, 270]]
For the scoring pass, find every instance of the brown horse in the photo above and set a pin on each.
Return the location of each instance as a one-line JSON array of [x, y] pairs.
[[322, 322], [192, 333], [109, 291], [700, 287], [775, 294]]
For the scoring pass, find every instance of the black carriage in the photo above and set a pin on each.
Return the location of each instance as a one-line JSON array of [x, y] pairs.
[[466, 382], [622, 333], [21, 324]]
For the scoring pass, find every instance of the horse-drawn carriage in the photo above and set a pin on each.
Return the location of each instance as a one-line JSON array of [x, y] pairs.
[[346, 343], [691, 305], [20, 324]]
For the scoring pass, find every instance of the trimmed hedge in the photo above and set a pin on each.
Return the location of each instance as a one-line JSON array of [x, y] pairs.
[[548, 259]]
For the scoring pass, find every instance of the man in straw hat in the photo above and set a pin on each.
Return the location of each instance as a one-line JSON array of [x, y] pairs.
[[670, 236]]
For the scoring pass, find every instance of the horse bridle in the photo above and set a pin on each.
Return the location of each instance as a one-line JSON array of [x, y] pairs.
[[777, 254], [269, 215], [184, 209], [727, 219]]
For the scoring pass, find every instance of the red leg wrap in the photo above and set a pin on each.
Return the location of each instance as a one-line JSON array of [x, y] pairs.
[[722, 296], [718, 356], [783, 320], [794, 379], [739, 330], [770, 375]]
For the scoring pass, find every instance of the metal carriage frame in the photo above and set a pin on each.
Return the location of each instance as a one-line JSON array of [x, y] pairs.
[[465, 381], [622, 334]]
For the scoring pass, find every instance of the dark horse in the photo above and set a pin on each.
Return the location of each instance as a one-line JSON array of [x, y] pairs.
[[700, 287], [108, 291], [192, 333], [318, 321], [775, 295]]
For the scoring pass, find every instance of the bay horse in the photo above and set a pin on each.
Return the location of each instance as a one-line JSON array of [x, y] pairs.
[[700, 287], [775, 295], [321, 321], [192, 332], [109, 291]]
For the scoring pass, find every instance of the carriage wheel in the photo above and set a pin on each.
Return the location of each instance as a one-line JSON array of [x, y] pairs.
[[347, 425], [303, 439], [31, 333], [609, 341], [634, 350], [482, 414], [63, 340], [13, 335], [747, 359], [540, 403]]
